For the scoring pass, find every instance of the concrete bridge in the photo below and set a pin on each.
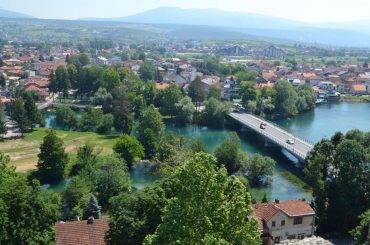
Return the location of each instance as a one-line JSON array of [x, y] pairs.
[[58, 104], [275, 134]]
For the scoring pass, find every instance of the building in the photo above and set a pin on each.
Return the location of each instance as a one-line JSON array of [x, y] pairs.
[[286, 220], [87, 232]]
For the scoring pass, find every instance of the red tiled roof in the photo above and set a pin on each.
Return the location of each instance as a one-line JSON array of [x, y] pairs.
[[81, 233], [265, 211], [161, 86], [359, 87]]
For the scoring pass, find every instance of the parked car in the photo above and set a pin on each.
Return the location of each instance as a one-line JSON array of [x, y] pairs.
[[263, 125], [290, 141]]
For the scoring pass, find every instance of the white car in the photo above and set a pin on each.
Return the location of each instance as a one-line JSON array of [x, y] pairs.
[[290, 141]]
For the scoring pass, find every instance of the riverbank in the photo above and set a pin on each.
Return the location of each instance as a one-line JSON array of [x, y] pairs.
[[362, 98], [23, 152]]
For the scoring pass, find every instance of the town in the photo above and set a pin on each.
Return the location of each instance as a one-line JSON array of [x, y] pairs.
[[123, 134]]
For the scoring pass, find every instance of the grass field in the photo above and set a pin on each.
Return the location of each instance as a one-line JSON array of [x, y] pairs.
[[23, 152]]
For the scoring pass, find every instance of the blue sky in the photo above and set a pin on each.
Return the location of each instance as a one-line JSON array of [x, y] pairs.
[[304, 10]]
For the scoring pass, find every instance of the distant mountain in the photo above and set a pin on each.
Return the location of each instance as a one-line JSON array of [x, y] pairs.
[[206, 17], [238, 25], [15, 15]]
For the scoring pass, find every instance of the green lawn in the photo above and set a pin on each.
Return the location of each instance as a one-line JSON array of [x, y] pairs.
[[23, 152]]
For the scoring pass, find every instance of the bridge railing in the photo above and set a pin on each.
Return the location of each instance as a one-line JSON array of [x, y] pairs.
[[278, 126]]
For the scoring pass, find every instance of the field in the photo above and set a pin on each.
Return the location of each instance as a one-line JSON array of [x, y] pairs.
[[23, 152]]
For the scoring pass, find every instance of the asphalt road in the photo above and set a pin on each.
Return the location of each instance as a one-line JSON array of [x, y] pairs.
[[279, 136]]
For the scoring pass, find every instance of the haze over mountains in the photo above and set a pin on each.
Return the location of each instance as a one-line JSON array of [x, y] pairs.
[[240, 25], [11, 14]]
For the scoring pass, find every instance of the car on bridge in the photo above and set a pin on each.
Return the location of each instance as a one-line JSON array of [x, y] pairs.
[[263, 125], [290, 141]]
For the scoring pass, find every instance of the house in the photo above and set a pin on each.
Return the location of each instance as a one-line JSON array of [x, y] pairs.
[[90, 232], [101, 61], [359, 89], [326, 85], [230, 90], [281, 221]]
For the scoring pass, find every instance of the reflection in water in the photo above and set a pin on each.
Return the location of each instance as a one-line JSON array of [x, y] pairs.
[[323, 122]]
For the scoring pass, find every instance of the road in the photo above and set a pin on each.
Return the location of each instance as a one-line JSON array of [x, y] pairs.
[[274, 133]]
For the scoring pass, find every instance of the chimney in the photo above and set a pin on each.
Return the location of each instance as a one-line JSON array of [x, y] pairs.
[[90, 220], [277, 201]]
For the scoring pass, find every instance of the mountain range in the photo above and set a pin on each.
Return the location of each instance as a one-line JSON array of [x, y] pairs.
[[15, 15], [239, 25]]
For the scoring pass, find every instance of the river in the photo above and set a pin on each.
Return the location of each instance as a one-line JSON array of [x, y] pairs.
[[324, 121]]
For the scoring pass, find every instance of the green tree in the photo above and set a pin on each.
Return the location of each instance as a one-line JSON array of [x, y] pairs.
[[105, 124], [214, 113], [63, 84], [306, 98], [129, 148], [85, 161], [122, 111], [185, 110], [110, 178], [103, 98], [243, 76], [248, 92], [168, 99], [361, 233], [52, 159], [33, 114], [3, 129], [148, 72], [286, 98], [227, 154], [214, 92], [93, 209], [2, 80], [209, 207], [19, 115], [149, 140], [339, 164], [153, 120], [27, 213], [75, 198], [258, 168], [111, 79], [197, 92], [66, 117], [90, 118], [135, 215]]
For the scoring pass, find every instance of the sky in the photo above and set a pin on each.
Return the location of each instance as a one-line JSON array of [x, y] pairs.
[[303, 10]]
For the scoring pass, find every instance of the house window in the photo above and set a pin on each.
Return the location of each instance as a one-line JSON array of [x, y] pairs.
[[300, 236], [277, 239], [273, 223], [282, 222], [291, 237], [298, 220]]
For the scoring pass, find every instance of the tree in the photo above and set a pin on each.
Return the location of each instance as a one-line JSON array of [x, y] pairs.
[[103, 98], [243, 76], [66, 117], [41, 58], [150, 130], [52, 159], [227, 154], [121, 111], [75, 198], [32, 112], [168, 99], [214, 113], [3, 129], [209, 207], [185, 110], [111, 79], [129, 148], [214, 92], [110, 178], [90, 118], [361, 233], [339, 164], [258, 168], [306, 98], [286, 98], [135, 215], [93, 209], [148, 71], [105, 124], [27, 213], [2, 80], [19, 115], [85, 161], [197, 92], [63, 84], [248, 92]]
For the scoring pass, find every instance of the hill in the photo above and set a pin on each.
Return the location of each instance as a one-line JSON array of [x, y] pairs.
[[14, 15]]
